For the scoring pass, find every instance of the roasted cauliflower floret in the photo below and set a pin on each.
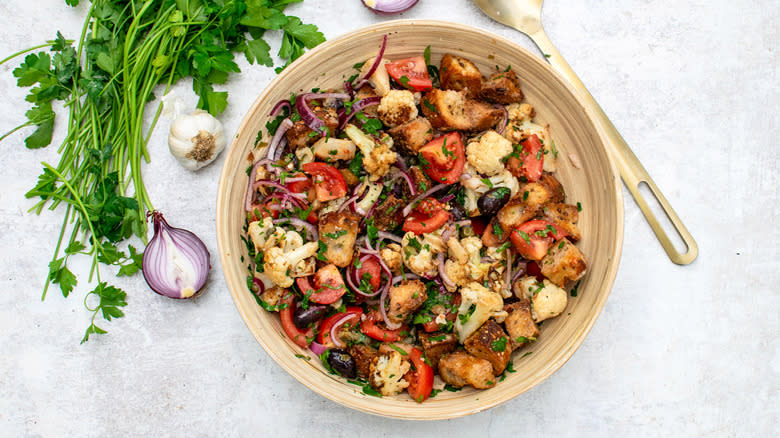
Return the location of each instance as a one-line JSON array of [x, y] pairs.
[[387, 373], [419, 252], [397, 107], [475, 187], [391, 254], [519, 112], [466, 263], [377, 158], [264, 234], [549, 302], [290, 258], [486, 154], [478, 304]]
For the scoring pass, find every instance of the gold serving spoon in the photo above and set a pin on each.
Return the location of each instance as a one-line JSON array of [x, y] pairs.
[[526, 16]]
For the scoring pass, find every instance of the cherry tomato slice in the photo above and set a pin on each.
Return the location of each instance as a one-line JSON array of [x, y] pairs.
[[534, 270], [303, 187], [371, 267], [328, 285], [301, 338], [443, 158], [420, 223], [323, 335], [421, 379], [411, 73], [531, 163], [329, 184], [370, 328], [533, 238]]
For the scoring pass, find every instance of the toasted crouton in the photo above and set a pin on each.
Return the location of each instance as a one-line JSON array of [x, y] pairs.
[[364, 92], [435, 345], [363, 355], [405, 298], [397, 107], [564, 216], [450, 110], [563, 262], [502, 87], [402, 347], [412, 135], [520, 323], [389, 214], [490, 342], [516, 212], [460, 74], [495, 234], [338, 231], [554, 186], [300, 135], [460, 369], [537, 194]]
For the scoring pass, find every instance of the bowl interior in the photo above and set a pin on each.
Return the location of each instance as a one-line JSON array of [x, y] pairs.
[[594, 184]]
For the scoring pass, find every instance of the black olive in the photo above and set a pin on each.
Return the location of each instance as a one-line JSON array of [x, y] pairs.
[[458, 212], [303, 318], [342, 362], [493, 200]]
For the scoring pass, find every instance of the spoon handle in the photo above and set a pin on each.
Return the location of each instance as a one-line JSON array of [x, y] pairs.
[[631, 170]]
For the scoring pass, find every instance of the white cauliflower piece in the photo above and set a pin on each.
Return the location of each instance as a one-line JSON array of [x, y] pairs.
[[391, 254], [305, 155], [290, 258], [377, 159], [477, 306], [419, 252], [468, 265], [329, 149], [526, 287], [397, 107], [476, 187], [264, 234], [486, 154], [519, 112], [387, 373], [548, 302], [379, 80]]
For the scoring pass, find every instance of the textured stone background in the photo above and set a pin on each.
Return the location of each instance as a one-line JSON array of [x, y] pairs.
[[686, 351]]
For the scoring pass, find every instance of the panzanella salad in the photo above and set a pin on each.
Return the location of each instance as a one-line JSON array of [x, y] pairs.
[[411, 224]]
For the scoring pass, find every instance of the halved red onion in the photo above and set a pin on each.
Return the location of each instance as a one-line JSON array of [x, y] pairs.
[[504, 118], [363, 79], [432, 190], [337, 325], [317, 348], [311, 230], [359, 106], [389, 7], [307, 115], [175, 262]]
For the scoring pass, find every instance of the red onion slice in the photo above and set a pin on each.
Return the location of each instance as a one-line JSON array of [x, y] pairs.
[[281, 105], [311, 230], [389, 236], [176, 262], [317, 348], [359, 106], [504, 118], [389, 7], [413, 202], [363, 79], [405, 176], [308, 116], [404, 277], [286, 124], [443, 274], [337, 325]]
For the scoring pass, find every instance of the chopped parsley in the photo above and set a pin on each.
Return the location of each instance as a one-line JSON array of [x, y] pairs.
[[499, 345], [575, 289], [336, 235]]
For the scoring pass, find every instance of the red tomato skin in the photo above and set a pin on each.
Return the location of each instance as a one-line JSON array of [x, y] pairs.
[[418, 223], [371, 267], [532, 166], [421, 379], [328, 285], [479, 225], [303, 187], [535, 248], [534, 270], [370, 328], [302, 339], [444, 169], [329, 183], [415, 70], [323, 337]]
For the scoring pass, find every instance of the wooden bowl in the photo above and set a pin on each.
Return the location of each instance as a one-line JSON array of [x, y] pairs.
[[596, 185]]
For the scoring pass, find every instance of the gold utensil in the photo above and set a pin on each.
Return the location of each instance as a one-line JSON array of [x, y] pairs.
[[526, 16]]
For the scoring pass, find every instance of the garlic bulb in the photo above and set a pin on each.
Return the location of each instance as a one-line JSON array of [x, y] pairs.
[[196, 139]]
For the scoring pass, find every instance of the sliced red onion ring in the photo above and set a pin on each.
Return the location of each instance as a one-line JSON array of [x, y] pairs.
[[405, 176], [389, 7], [391, 325], [504, 118], [363, 79], [307, 115], [413, 202], [521, 267], [285, 197], [311, 230], [404, 277], [286, 124], [281, 105], [389, 236], [317, 348], [280, 149], [447, 198], [250, 193], [447, 233], [464, 223], [339, 323], [260, 286], [176, 262], [359, 106], [443, 274]]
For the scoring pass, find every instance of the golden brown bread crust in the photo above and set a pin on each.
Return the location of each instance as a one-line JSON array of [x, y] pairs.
[[340, 245], [450, 110], [363, 355], [436, 344], [460, 74], [516, 212], [490, 342], [412, 135], [563, 262], [520, 323], [502, 87], [564, 216], [300, 135], [460, 369], [389, 214], [364, 92], [405, 298]]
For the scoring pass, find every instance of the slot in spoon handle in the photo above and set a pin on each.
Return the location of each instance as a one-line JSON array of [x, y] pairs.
[[631, 170]]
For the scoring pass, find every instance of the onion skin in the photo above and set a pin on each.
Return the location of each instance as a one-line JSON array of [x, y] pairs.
[[169, 279], [389, 7]]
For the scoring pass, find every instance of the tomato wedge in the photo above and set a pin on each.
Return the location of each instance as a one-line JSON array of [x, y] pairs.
[[370, 328], [411, 73], [421, 379], [443, 158], [533, 238], [329, 184], [534, 270], [371, 267], [303, 187], [449, 315], [426, 217], [301, 338], [531, 163], [328, 285], [323, 335]]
